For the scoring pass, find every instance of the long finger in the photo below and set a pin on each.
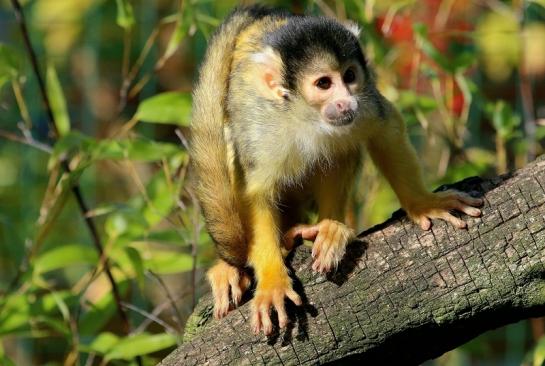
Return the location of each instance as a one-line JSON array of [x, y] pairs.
[[468, 200], [453, 220], [221, 300], [294, 297], [236, 292], [266, 323], [278, 303], [468, 210], [256, 321]]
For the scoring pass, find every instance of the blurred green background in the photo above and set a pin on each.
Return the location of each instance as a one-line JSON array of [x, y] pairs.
[[467, 75]]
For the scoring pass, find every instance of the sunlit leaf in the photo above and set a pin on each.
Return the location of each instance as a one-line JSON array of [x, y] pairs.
[[116, 225], [537, 355], [57, 100], [140, 344], [64, 256], [170, 107], [409, 99], [102, 343], [138, 149], [499, 44], [125, 14], [539, 2], [15, 315], [164, 262]]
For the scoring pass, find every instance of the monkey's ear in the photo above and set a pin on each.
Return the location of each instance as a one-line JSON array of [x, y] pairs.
[[354, 28], [270, 73]]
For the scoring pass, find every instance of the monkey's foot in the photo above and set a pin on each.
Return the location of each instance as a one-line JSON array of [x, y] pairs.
[[272, 292], [223, 278], [330, 240], [439, 205]]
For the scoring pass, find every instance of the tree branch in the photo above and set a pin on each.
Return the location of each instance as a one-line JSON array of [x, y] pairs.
[[401, 295]]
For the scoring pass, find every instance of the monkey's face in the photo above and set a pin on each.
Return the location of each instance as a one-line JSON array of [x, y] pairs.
[[332, 91]]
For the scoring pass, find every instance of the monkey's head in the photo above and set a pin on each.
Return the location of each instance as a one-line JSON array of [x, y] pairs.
[[317, 63]]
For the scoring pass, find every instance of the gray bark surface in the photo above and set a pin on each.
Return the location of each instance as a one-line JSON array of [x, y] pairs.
[[401, 295]]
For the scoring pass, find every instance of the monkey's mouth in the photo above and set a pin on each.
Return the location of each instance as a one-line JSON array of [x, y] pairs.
[[344, 119]]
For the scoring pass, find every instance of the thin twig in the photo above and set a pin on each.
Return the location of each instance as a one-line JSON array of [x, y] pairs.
[[24, 140], [150, 316], [171, 300], [75, 189]]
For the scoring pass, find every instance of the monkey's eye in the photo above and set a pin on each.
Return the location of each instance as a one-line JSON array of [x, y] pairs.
[[349, 76], [323, 83]]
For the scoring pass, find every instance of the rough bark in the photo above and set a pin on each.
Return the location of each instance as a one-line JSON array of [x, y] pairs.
[[401, 295]]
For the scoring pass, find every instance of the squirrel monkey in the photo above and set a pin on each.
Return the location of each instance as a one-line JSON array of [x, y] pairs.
[[283, 106]]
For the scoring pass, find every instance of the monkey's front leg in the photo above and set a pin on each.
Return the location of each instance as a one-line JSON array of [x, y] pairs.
[[265, 256], [393, 154], [330, 235], [330, 239]]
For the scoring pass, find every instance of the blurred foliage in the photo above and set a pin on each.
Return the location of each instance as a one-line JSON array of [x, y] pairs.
[[468, 77]]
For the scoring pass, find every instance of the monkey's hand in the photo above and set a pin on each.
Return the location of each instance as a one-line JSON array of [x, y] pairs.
[[439, 206], [224, 277], [330, 240], [273, 286]]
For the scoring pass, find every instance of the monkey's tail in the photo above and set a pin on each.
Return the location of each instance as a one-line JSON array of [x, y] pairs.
[[214, 186]]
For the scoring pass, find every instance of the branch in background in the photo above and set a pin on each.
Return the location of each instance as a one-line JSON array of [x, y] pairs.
[[75, 189], [26, 141]]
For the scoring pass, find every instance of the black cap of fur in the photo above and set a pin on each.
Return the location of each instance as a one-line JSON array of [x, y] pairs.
[[304, 37]]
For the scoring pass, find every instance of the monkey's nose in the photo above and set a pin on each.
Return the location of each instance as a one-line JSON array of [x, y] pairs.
[[342, 106]]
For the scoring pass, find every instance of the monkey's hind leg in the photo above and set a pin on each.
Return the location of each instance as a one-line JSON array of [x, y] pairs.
[[225, 278]]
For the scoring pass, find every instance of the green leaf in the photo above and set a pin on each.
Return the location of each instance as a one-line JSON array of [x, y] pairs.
[[64, 256], [183, 21], [165, 262], [11, 62], [170, 107], [161, 199], [140, 344], [409, 99], [102, 343], [504, 120], [137, 265], [128, 223], [125, 14], [72, 143], [138, 149], [15, 315], [57, 100]]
